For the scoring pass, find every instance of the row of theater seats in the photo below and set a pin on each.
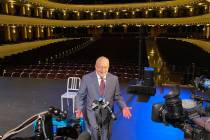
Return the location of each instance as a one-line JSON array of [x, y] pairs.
[[63, 72], [177, 52], [184, 59], [42, 73], [48, 52], [122, 52]]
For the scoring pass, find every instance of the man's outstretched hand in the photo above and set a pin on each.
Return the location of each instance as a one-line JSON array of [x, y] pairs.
[[126, 112], [78, 114]]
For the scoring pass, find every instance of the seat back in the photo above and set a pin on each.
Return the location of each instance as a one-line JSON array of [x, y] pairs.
[[73, 84]]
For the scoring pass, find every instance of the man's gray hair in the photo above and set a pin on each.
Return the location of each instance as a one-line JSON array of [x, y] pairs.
[[101, 58]]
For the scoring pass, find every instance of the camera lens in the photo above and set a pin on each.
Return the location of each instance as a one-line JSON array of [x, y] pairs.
[[174, 106], [156, 112]]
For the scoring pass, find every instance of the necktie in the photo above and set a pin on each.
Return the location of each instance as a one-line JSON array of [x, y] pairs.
[[102, 87]]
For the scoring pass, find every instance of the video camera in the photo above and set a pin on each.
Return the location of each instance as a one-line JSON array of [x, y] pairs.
[[52, 124], [191, 118], [55, 123], [202, 83]]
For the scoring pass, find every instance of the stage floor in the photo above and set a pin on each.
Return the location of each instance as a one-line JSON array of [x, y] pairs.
[[21, 98]]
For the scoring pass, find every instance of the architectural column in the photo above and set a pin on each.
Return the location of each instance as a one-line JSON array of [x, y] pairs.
[[23, 10], [110, 28], [47, 14], [7, 33], [125, 28], [77, 15], [91, 15], [104, 15], [24, 33], [11, 8], [133, 14], [207, 32], [40, 12], [51, 13], [29, 32], [5, 8], [146, 13], [36, 11], [117, 14], [64, 14], [13, 33], [52, 32], [208, 8], [49, 32], [10, 33], [27, 10], [41, 32], [176, 11], [37, 32], [191, 10], [161, 12]]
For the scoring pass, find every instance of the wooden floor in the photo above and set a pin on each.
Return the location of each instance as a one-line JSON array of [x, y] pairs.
[[22, 98]]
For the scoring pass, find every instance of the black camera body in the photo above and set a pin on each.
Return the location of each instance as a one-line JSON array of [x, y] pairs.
[[190, 121], [51, 125], [202, 83], [56, 124], [169, 112]]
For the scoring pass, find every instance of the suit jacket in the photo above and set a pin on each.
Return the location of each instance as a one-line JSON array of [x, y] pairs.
[[89, 91]]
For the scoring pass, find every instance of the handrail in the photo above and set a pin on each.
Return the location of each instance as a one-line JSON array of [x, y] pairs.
[[16, 20], [10, 49], [60, 6], [205, 45]]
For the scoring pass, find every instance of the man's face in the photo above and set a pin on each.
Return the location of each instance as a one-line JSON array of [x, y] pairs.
[[102, 67]]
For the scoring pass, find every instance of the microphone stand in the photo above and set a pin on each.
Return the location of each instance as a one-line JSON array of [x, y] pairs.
[[96, 106], [100, 124], [100, 105]]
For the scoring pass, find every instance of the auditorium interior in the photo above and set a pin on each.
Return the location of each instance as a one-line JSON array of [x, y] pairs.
[[164, 44]]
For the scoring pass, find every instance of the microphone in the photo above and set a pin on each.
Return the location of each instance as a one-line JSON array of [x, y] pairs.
[[100, 103], [106, 106], [101, 100], [97, 103], [94, 105]]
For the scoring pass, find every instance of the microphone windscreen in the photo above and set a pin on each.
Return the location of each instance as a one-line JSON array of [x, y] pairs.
[[84, 136]]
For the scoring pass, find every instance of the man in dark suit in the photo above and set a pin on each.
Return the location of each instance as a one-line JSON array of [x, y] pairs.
[[97, 84]]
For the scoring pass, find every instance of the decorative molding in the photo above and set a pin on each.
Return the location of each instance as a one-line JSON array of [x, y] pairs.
[[106, 7], [23, 21]]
